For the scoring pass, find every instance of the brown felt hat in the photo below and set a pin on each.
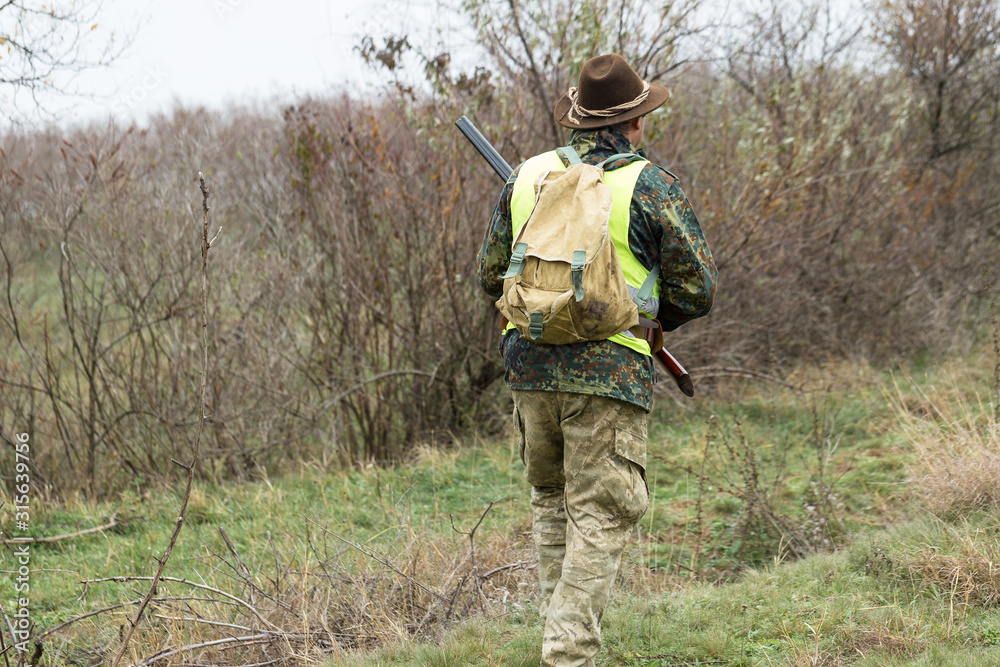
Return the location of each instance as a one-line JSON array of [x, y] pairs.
[[608, 92]]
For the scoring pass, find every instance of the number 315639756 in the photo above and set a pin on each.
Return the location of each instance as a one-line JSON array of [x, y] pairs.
[[22, 480]]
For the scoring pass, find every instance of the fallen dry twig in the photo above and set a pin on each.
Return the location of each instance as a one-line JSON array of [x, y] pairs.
[[59, 538]]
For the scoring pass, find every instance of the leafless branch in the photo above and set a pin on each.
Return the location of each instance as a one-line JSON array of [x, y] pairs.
[[197, 440]]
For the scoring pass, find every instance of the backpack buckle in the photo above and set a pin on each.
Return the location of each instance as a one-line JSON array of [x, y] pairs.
[[576, 270], [535, 326]]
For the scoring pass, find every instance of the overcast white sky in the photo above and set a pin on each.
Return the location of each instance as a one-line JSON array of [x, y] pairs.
[[213, 52], [219, 52]]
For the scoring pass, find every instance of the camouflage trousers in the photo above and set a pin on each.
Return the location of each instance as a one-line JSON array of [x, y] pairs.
[[585, 458]]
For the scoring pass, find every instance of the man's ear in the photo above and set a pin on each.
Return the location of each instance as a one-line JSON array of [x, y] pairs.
[[635, 129]]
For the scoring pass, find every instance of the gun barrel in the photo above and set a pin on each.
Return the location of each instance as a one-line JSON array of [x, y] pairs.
[[485, 148]]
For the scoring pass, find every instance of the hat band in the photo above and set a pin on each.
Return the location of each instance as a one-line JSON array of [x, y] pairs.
[[576, 111]]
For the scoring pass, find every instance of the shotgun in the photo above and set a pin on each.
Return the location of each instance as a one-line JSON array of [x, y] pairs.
[[503, 170]]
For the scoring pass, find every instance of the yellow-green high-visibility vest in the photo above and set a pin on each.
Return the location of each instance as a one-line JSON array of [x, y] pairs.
[[622, 183]]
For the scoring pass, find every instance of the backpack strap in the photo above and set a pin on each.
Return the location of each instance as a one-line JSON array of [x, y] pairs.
[[570, 154], [516, 261], [647, 287], [579, 256]]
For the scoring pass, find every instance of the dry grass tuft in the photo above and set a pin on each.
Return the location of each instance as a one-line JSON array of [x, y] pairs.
[[887, 631], [956, 441], [880, 638], [972, 578], [952, 485]]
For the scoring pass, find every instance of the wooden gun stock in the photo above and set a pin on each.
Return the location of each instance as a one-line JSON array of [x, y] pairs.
[[681, 376], [503, 170]]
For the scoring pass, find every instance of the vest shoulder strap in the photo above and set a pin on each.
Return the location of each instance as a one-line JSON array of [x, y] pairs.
[[632, 157]]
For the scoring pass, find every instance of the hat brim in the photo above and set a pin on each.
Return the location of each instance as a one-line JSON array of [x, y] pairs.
[[657, 96]]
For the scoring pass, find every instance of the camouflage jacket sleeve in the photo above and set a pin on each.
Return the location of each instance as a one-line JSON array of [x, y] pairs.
[[662, 217], [494, 255]]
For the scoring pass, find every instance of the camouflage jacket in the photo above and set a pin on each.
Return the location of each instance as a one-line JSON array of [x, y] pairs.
[[662, 228]]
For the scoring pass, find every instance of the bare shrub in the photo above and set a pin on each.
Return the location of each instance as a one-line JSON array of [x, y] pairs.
[[399, 338], [104, 318], [809, 171], [324, 597], [765, 524], [345, 320], [799, 192], [948, 49]]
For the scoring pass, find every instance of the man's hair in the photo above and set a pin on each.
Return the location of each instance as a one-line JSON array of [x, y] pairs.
[[621, 127]]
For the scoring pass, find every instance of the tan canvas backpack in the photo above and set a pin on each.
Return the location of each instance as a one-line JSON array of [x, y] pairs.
[[565, 283]]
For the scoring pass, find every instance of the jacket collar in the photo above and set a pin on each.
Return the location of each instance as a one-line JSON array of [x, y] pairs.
[[603, 142]]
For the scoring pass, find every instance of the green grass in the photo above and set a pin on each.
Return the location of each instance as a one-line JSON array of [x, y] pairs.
[[827, 609], [706, 581]]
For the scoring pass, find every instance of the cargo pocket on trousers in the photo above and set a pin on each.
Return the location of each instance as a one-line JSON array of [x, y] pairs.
[[630, 448]]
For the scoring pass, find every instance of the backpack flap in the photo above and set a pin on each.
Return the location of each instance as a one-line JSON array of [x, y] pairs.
[[571, 213]]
